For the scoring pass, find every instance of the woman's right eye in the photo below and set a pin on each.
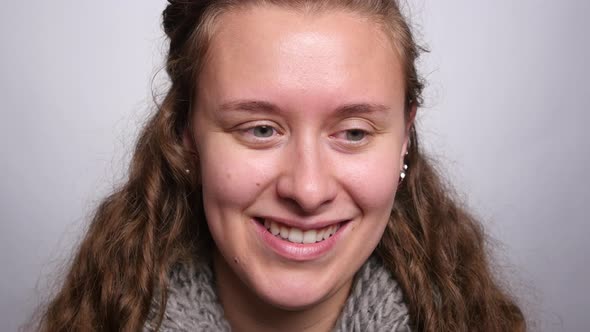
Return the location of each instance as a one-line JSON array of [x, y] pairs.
[[262, 131], [259, 134], [355, 135]]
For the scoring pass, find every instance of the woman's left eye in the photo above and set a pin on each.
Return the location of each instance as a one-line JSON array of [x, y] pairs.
[[355, 135], [262, 131]]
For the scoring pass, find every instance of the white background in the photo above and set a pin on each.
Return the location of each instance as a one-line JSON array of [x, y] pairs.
[[506, 112]]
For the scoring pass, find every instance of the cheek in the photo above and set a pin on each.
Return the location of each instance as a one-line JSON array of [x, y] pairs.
[[372, 182], [232, 177]]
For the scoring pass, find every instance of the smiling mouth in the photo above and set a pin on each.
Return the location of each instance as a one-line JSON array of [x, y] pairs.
[[296, 235]]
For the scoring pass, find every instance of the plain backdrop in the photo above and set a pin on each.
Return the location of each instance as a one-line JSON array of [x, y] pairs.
[[506, 114]]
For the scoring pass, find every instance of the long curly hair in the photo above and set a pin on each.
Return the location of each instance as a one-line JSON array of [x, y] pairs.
[[434, 248]]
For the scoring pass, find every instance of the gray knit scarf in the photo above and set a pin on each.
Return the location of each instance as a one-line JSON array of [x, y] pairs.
[[374, 304]]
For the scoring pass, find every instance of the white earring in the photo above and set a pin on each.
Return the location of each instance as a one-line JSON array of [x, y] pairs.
[[402, 174], [187, 171]]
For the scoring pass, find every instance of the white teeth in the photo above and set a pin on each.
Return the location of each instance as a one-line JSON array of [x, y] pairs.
[[327, 232], [274, 228], [319, 235], [297, 235], [308, 236], [284, 232]]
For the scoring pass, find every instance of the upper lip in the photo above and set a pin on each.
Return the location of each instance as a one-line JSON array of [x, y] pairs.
[[304, 224]]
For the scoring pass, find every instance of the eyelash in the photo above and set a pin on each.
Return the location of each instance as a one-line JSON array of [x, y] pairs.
[[341, 136], [343, 142], [248, 133], [265, 127], [366, 136]]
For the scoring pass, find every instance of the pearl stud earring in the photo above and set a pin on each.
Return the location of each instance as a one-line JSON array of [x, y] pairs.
[[402, 174], [404, 170]]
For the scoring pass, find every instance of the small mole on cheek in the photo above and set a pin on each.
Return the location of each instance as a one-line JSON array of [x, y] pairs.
[[236, 260], [257, 184]]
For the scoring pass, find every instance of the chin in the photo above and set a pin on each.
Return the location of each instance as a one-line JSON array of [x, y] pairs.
[[293, 290], [293, 298]]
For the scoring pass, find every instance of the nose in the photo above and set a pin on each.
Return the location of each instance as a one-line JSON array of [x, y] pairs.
[[307, 178]]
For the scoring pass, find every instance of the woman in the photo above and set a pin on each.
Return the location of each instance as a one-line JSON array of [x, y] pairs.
[[281, 186]]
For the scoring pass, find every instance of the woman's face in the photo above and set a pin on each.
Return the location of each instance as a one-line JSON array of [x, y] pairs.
[[301, 133]]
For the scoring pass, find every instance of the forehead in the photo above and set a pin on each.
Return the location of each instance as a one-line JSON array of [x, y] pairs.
[[321, 58]]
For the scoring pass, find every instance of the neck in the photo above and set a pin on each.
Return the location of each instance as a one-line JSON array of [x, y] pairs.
[[245, 311]]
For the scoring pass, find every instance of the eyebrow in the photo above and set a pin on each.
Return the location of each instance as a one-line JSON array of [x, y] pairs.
[[250, 106], [361, 108], [267, 107]]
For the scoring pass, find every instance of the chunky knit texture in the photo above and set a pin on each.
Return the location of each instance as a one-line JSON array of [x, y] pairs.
[[374, 304]]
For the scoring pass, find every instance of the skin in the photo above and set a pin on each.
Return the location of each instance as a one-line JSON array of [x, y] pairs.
[[299, 157]]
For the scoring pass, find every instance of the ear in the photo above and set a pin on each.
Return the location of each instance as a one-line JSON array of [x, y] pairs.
[[409, 123], [188, 140], [189, 143], [192, 156]]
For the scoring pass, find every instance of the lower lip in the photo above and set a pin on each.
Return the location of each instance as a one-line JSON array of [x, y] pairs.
[[298, 251]]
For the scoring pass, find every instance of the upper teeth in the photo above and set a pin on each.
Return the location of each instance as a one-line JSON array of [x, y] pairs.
[[297, 235]]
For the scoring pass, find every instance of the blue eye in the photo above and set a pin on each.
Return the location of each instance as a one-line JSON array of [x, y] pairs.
[[263, 131], [355, 135]]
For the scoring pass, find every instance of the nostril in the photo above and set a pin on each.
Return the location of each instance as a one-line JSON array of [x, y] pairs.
[[307, 182]]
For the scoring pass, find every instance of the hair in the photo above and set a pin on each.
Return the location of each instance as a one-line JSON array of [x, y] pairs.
[[433, 247]]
